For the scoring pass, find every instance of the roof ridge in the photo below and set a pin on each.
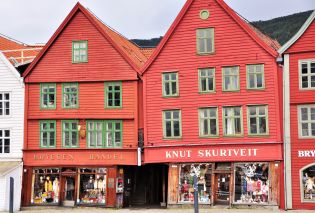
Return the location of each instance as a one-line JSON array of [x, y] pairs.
[[12, 39]]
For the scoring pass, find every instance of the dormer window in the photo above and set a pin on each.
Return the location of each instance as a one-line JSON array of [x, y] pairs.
[[79, 51]]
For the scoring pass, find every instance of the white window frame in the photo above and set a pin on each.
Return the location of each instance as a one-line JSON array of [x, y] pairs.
[[309, 121], [308, 61], [10, 140], [3, 104]]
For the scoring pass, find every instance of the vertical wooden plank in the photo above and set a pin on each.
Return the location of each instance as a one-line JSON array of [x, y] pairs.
[[173, 176], [274, 183], [111, 187], [232, 188], [213, 187]]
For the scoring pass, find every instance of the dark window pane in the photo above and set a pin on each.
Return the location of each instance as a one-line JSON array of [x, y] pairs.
[[6, 133], [176, 128], [167, 115], [7, 96], [262, 125], [205, 127], [304, 68], [176, 114], [253, 125], [168, 129], [210, 84], [174, 89], [203, 84], [213, 127], [304, 82], [167, 89], [238, 129]]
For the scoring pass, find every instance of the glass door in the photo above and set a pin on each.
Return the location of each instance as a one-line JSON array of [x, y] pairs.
[[222, 189], [68, 193]]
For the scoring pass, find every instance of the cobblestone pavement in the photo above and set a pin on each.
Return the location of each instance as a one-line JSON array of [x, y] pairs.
[[154, 210]]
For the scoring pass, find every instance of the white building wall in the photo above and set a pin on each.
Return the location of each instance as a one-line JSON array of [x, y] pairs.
[[2, 193]]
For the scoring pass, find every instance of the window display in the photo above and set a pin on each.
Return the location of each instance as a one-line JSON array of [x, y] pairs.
[[252, 183], [92, 186], [45, 186], [308, 185], [186, 182]]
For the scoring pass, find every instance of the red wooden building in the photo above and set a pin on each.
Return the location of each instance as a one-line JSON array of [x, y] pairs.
[[212, 108], [299, 122], [81, 124]]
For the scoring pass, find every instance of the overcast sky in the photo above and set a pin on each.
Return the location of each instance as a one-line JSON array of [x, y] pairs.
[[34, 21]]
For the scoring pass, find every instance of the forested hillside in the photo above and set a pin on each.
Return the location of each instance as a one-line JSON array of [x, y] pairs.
[[280, 29]]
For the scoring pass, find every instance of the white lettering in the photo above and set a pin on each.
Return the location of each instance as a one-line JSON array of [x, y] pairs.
[[200, 153]]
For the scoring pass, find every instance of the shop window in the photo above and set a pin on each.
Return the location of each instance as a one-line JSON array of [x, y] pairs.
[[232, 121], [70, 134], [255, 76], [206, 80], [47, 134], [4, 104], [205, 41], [208, 122], [4, 141], [170, 84], [79, 51], [70, 95], [45, 186], [231, 79], [307, 121], [307, 74], [172, 124], [251, 183], [257, 120], [186, 182], [92, 186], [308, 185], [48, 96], [113, 94]]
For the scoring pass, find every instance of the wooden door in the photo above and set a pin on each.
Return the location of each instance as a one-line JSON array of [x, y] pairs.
[[222, 188], [68, 193]]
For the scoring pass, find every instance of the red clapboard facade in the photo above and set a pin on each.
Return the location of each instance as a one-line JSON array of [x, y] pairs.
[[212, 109], [299, 69], [81, 123]]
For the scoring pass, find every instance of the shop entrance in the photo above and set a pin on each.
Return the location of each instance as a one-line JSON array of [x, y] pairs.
[[222, 189], [68, 183]]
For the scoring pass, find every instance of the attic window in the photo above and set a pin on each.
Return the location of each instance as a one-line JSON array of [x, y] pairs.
[[79, 51], [204, 14]]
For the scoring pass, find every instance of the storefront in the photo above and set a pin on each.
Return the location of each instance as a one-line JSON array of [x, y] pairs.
[[233, 175], [69, 178]]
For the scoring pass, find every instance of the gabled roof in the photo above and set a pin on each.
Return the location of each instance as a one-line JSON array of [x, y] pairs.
[[14, 72], [263, 40], [304, 27], [130, 52], [147, 52]]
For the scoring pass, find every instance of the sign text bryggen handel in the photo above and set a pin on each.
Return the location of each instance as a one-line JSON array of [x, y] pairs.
[[209, 153]]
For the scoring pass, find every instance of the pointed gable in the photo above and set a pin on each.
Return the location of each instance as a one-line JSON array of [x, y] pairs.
[[110, 56]]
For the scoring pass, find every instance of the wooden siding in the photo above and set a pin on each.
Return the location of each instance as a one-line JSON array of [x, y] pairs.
[[306, 42], [91, 103], [11, 83], [233, 47], [33, 141], [104, 62]]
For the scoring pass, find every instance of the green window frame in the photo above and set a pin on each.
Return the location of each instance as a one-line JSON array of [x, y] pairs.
[[231, 78], [206, 80], [232, 121], [257, 120], [48, 96], [255, 76], [172, 125], [113, 94], [79, 51], [47, 133], [70, 95], [70, 133], [205, 41], [170, 86], [208, 122], [104, 133]]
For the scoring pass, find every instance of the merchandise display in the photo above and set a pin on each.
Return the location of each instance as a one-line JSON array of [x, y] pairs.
[[252, 183], [186, 180], [308, 184]]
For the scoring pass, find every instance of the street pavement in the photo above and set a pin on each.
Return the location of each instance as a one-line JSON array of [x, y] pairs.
[[154, 210]]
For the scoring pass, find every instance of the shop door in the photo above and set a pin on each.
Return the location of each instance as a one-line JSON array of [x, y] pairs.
[[222, 189], [68, 194]]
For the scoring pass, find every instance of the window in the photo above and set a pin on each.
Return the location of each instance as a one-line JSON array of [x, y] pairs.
[[47, 134], [255, 76], [252, 183], [206, 80], [48, 96], [257, 120], [170, 84], [104, 134], [307, 74], [307, 121], [205, 41], [113, 93], [4, 141], [70, 95], [79, 51], [232, 121], [186, 183], [208, 125], [4, 104], [172, 124], [70, 134], [231, 80]]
